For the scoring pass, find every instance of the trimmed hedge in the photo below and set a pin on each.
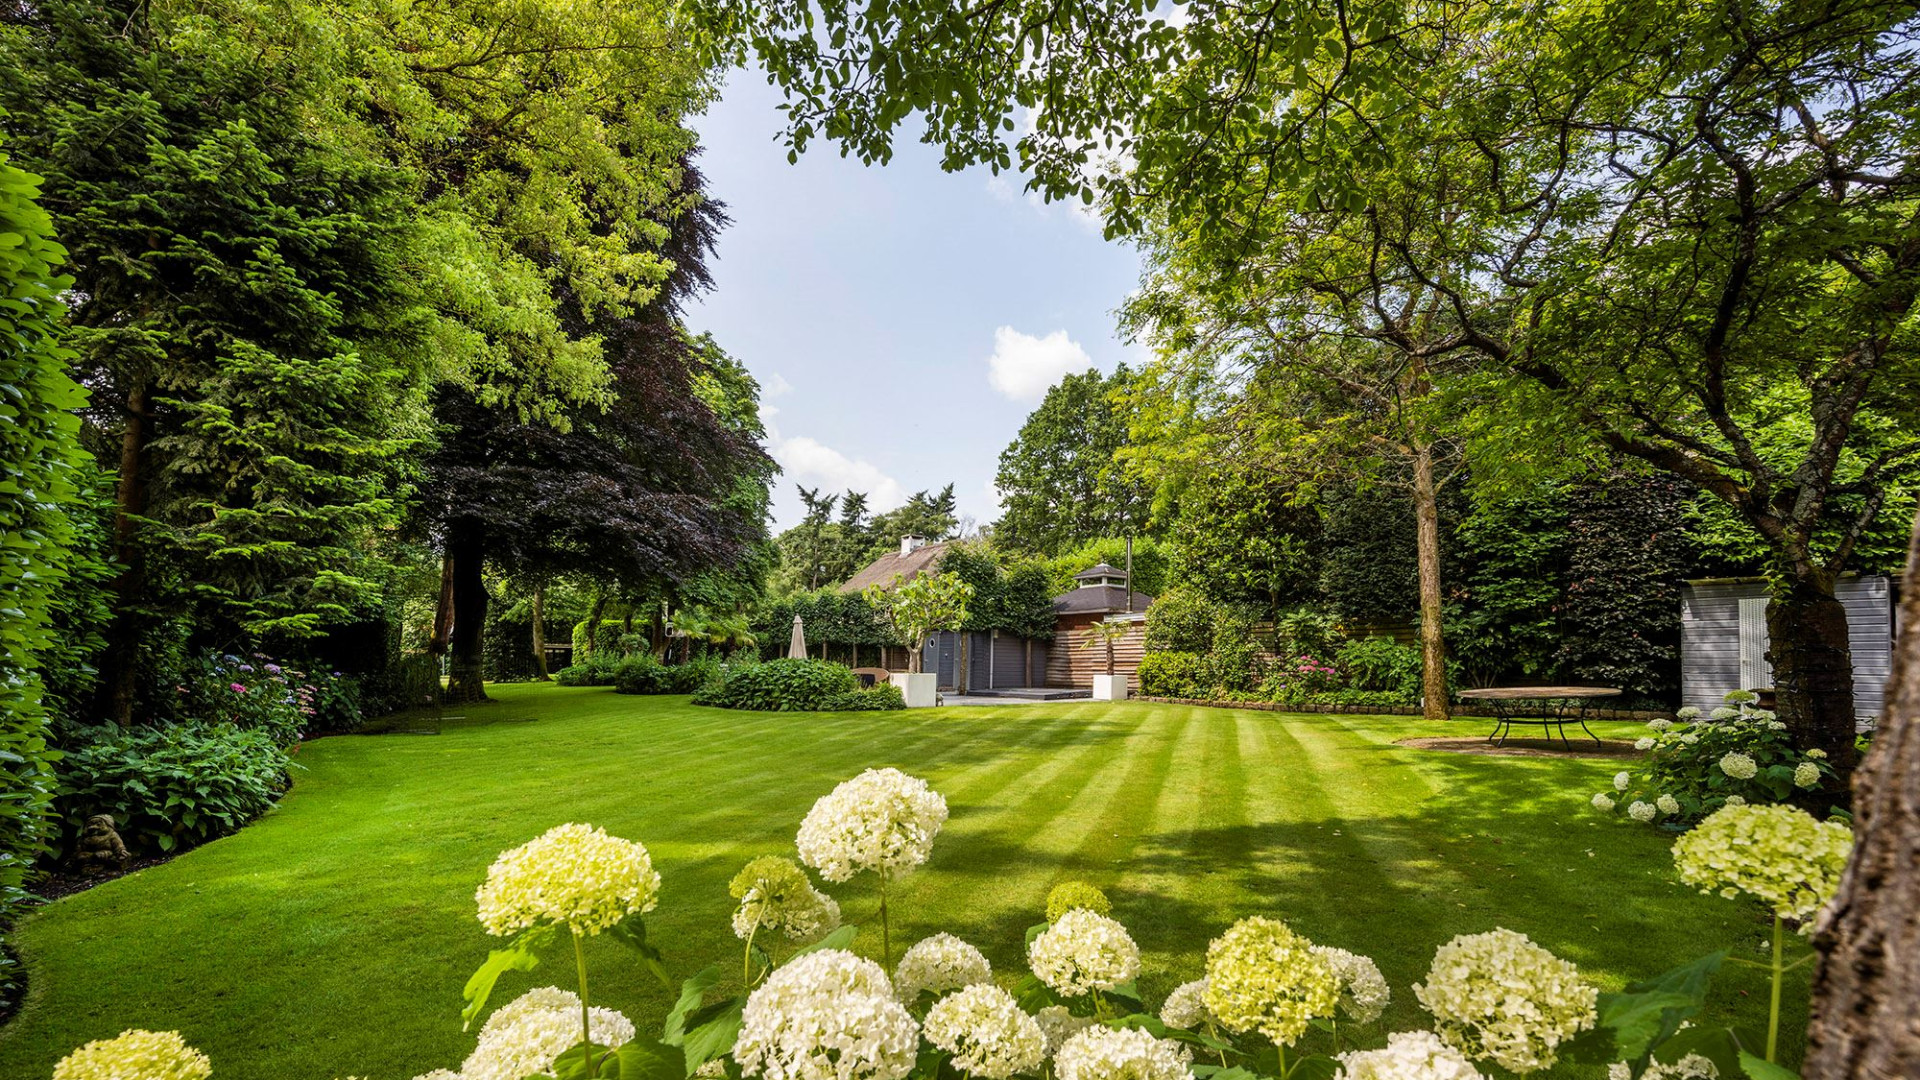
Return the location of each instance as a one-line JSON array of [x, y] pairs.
[[1175, 674]]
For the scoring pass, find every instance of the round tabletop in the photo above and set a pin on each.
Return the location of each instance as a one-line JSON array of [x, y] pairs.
[[1527, 693]]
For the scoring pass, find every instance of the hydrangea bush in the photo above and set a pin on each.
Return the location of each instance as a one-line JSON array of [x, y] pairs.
[[1735, 755], [1273, 1004]]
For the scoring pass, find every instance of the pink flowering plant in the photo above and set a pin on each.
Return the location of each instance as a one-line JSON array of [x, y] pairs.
[[253, 693]]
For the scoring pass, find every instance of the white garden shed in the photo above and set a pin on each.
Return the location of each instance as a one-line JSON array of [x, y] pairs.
[[1723, 639]]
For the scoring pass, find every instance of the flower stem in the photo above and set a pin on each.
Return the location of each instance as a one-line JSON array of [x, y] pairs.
[[580, 964], [886, 939], [746, 963], [1773, 1014]]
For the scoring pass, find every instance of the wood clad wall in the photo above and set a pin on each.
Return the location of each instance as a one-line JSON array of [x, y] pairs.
[[1071, 666]]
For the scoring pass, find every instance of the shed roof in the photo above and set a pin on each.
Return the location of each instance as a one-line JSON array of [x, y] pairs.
[[883, 570], [1103, 600], [1099, 570]]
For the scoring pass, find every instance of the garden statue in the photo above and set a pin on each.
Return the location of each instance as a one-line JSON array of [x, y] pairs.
[[100, 848]]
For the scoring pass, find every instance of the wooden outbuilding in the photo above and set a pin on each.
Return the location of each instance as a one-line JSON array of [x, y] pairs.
[[1723, 639]]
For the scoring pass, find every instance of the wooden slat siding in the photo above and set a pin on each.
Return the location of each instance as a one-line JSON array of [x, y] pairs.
[[979, 646], [1069, 666], [1710, 640]]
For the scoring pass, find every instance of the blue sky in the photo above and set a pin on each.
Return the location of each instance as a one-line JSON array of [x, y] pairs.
[[902, 320]]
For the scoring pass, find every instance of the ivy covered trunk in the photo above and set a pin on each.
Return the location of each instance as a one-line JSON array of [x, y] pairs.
[[1433, 648], [540, 634], [466, 547], [121, 662], [1813, 667], [1866, 991]]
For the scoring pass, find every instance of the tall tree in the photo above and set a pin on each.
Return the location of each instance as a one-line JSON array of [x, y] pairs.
[[240, 309], [1061, 480]]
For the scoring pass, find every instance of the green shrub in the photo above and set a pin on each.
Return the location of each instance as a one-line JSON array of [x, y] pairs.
[[1183, 620], [1383, 665], [879, 698], [256, 693], [642, 674], [174, 787], [780, 686], [596, 670], [1174, 674], [1695, 765]]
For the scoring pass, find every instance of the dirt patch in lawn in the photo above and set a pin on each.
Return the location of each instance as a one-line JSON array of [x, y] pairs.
[[1582, 747]]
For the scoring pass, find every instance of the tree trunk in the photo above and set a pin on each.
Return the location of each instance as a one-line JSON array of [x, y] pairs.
[[443, 611], [914, 656], [540, 634], [1866, 991], [1433, 648], [1813, 669], [121, 661], [467, 546], [594, 615]]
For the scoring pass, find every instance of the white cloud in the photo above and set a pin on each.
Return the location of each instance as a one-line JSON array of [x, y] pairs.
[[811, 463], [1000, 188], [1022, 366], [776, 385]]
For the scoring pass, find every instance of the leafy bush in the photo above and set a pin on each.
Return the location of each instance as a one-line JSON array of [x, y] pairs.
[[1382, 665], [1174, 674], [642, 674], [878, 698], [594, 671], [780, 686], [1697, 765], [1183, 621], [255, 694], [174, 787], [1299, 679]]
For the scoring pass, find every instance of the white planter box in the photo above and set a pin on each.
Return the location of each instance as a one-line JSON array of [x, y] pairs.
[[922, 691], [1109, 688]]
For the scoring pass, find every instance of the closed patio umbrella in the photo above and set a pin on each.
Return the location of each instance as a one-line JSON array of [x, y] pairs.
[[798, 649]]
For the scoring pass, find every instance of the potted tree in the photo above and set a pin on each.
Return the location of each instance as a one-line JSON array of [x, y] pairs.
[[1108, 687], [918, 609]]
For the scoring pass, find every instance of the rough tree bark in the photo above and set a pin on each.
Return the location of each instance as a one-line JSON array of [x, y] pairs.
[[1866, 991], [594, 615], [443, 611], [121, 662], [1808, 646], [1433, 647], [466, 546], [540, 634]]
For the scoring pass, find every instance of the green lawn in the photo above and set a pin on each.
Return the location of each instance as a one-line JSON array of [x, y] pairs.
[[332, 937]]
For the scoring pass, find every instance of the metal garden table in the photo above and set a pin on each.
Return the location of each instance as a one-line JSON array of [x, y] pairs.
[[1559, 704]]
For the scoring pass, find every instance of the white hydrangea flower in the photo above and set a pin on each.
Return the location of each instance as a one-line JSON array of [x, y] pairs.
[[939, 963], [1621, 780], [1261, 976], [523, 1037], [1408, 1055], [1817, 753], [1660, 723], [572, 874], [1498, 995], [714, 1069], [1806, 775], [1603, 801], [1058, 1024], [1689, 738], [1724, 713], [1779, 855], [827, 1015], [985, 1031], [882, 820], [1738, 765], [1690, 1067], [1689, 712], [1184, 1008], [1642, 811], [1084, 951], [1104, 1053], [1364, 992], [1668, 805], [135, 1054], [775, 895], [1645, 742], [1735, 800]]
